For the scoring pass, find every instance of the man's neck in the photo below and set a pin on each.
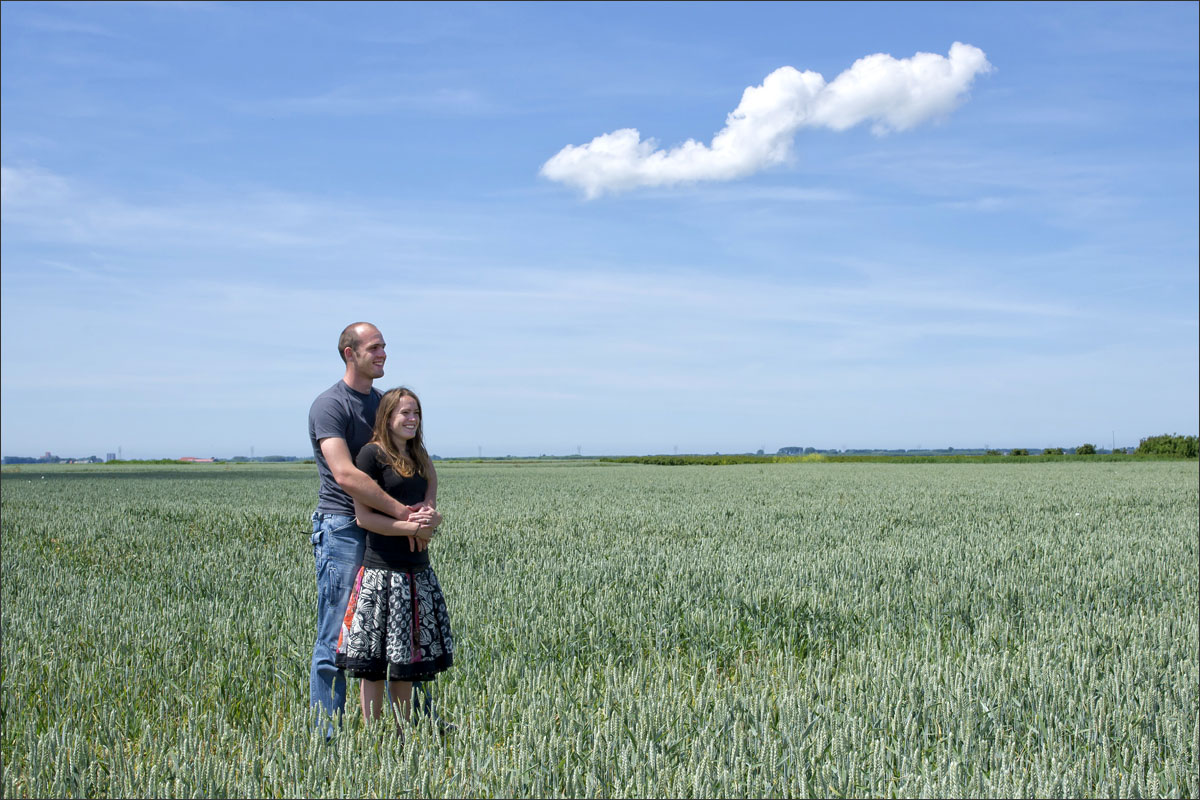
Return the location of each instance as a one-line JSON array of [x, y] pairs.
[[357, 382]]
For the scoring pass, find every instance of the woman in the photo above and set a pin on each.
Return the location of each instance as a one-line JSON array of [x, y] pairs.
[[396, 627]]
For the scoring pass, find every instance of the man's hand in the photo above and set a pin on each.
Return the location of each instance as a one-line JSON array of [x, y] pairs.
[[425, 515]]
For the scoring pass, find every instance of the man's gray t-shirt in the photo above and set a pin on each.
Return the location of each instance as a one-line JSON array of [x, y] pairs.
[[342, 413]]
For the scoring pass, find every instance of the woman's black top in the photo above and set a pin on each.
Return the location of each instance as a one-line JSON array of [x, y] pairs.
[[391, 552]]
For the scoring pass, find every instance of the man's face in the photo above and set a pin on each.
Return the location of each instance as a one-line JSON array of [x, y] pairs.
[[367, 359]]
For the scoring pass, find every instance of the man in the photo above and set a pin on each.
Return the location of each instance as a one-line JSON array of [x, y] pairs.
[[339, 424]]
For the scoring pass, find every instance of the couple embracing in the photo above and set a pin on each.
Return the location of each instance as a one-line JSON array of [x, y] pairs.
[[381, 615]]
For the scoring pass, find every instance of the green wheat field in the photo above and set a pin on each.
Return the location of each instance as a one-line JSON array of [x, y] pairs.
[[996, 630]]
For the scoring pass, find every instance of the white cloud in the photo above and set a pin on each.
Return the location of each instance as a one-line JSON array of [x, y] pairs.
[[893, 94]]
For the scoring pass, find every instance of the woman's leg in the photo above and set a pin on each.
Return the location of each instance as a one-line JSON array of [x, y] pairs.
[[400, 693], [370, 697]]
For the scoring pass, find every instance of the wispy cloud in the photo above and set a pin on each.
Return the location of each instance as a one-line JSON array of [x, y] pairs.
[[45, 206], [892, 94], [54, 24], [25, 187], [360, 101]]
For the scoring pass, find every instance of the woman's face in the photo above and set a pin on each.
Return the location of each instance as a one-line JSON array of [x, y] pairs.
[[406, 419]]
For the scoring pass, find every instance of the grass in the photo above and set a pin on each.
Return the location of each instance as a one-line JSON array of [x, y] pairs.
[[848, 629]]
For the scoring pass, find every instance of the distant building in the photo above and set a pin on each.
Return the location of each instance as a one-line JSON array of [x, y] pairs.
[[110, 456], [194, 460]]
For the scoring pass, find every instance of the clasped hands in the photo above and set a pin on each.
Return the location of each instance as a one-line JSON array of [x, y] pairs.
[[428, 518]]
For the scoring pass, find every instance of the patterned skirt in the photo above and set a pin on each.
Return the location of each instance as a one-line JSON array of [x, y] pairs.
[[396, 626]]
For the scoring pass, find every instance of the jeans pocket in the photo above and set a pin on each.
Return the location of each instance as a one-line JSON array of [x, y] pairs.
[[349, 523]]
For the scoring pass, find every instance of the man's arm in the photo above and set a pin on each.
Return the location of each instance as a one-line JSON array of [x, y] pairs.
[[357, 483]]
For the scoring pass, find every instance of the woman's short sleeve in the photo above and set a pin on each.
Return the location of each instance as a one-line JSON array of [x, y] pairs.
[[368, 461]]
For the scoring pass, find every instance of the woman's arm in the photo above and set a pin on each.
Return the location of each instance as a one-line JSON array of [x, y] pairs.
[[431, 491], [368, 518]]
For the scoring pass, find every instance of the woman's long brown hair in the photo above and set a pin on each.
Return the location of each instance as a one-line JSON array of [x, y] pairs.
[[412, 460]]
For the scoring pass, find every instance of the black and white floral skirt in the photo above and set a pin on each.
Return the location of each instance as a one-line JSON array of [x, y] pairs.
[[396, 626]]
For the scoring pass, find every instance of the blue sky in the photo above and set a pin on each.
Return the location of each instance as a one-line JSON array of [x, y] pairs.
[[197, 198]]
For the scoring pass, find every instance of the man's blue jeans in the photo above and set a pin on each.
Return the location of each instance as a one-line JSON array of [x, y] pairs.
[[338, 553]]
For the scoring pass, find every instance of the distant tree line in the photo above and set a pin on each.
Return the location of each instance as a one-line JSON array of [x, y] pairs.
[[1165, 445], [710, 460], [51, 459], [1154, 446], [267, 459]]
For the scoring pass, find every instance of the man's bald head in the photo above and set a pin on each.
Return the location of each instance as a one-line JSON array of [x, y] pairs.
[[353, 335]]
